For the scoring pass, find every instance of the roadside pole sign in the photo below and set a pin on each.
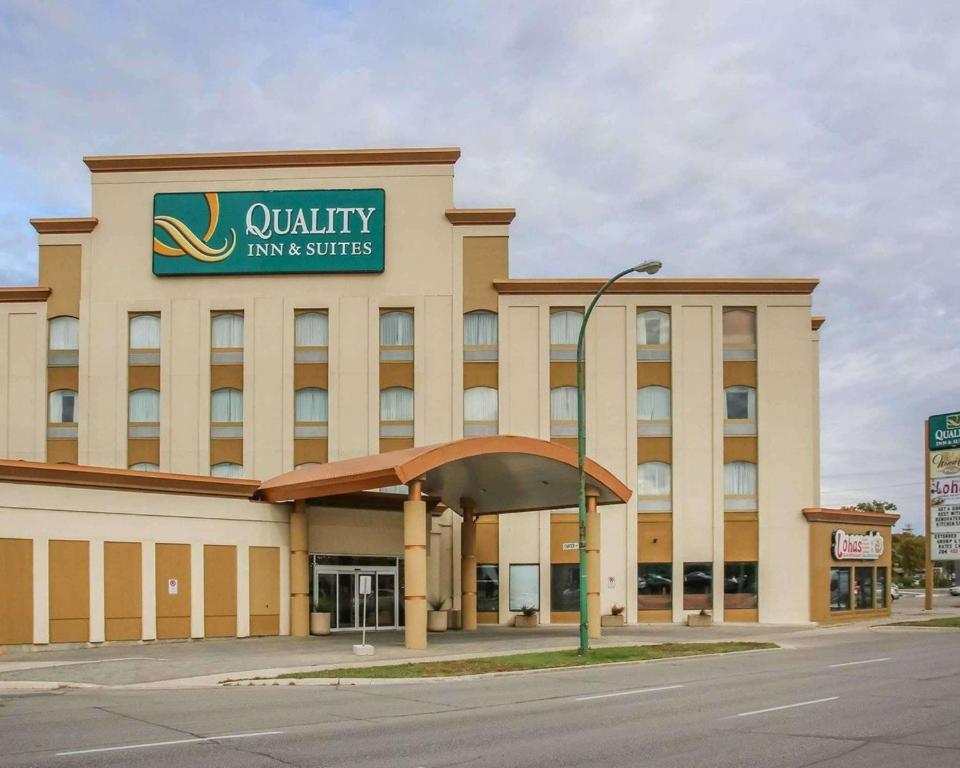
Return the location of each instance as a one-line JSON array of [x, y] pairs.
[[942, 492]]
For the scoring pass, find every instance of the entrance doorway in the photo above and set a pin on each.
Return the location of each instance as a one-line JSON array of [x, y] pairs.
[[335, 586]]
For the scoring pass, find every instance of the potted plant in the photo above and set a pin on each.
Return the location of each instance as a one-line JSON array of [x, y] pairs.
[[702, 619], [436, 616], [529, 617], [615, 618], [320, 615]]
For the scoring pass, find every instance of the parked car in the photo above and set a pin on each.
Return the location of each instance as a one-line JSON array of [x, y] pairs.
[[955, 590], [894, 591]]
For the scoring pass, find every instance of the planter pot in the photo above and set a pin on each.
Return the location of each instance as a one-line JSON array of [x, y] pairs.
[[437, 621], [319, 623], [526, 621], [613, 620], [696, 620]]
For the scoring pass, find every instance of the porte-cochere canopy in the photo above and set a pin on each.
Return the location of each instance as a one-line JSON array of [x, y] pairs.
[[503, 473]]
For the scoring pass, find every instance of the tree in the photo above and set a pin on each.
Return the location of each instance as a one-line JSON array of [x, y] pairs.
[[909, 554], [875, 506]]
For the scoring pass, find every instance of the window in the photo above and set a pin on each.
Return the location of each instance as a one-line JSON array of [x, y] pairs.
[[739, 334], [226, 469], [564, 333], [740, 485], [396, 336], [479, 411], [697, 586], [488, 588], [64, 341], [310, 407], [480, 336], [741, 403], [839, 589], [396, 412], [653, 411], [226, 338], [226, 405], [307, 464], [143, 413], [563, 412], [880, 599], [565, 587], [863, 588], [653, 486], [63, 407], [739, 585], [524, 587], [311, 337], [144, 332], [653, 335], [654, 586], [145, 466]]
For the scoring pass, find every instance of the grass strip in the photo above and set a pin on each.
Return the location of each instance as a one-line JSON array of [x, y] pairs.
[[524, 661], [950, 621]]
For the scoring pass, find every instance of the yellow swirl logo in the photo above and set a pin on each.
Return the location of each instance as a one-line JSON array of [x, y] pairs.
[[189, 244]]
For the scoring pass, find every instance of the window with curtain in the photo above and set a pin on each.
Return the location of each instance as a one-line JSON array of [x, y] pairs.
[[741, 403], [145, 466], [226, 331], [479, 411], [653, 404], [396, 329], [311, 404], [144, 332], [563, 404], [565, 327], [740, 478], [144, 406], [396, 404], [653, 478], [739, 334], [226, 405], [62, 407], [307, 464], [524, 586], [480, 328], [653, 328], [226, 469], [311, 329], [64, 333]]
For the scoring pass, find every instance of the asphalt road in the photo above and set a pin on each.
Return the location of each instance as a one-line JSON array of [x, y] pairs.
[[872, 698]]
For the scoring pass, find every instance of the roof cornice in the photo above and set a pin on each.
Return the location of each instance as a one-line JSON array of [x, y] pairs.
[[480, 216], [654, 285], [849, 516], [817, 321], [24, 293], [307, 158], [65, 226]]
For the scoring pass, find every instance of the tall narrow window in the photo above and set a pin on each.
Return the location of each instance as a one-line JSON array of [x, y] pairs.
[[63, 342], [144, 340], [396, 412], [740, 405], [739, 334], [488, 588], [226, 469], [563, 412], [145, 466], [697, 586], [740, 586], [654, 586], [653, 335], [653, 486], [653, 411], [311, 412], [226, 413], [226, 338], [396, 336], [63, 407], [311, 337], [479, 411], [740, 485], [564, 334], [143, 413], [480, 336]]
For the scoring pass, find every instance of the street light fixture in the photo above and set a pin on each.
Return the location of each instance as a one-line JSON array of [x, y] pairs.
[[647, 268]]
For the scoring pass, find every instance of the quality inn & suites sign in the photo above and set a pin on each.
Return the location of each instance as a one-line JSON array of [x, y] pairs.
[[282, 231]]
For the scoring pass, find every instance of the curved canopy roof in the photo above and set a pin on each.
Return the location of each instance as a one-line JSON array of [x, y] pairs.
[[503, 473]]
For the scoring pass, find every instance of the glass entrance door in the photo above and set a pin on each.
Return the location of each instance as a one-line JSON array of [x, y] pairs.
[[337, 589]]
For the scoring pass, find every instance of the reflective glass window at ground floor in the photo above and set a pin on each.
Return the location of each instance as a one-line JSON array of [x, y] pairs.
[[858, 588], [488, 588], [337, 587], [654, 587]]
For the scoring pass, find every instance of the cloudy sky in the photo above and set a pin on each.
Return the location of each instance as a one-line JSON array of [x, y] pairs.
[[734, 138]]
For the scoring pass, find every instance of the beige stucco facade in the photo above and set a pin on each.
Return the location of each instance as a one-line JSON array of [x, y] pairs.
[[440, 263]]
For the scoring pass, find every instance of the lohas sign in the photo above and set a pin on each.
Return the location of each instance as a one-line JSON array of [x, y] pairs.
[[857, 546], [283, 231]]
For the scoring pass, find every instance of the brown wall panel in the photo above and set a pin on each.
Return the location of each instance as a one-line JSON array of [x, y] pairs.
[[742, 373], [63, 378], [654, 373], [69, 579], [219, 590], [16, 591], [484, 260], [59, 269], [741, 543], [564, 528], [563, 374], [62, 451], [480, 375], [310, 375], [741, 614], [395, 443], [644, 617], [740, 449], [264, 590], [226, 376], [488, 617], [143, 377], [488, 539], [654, 449], [122, 590], [226, 449], [564, 617], [309, 450], [654, 538], [173, 611], [143, 449], [396, 375]]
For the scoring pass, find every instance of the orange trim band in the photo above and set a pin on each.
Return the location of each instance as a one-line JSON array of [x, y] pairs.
[[653, 285], [817, 321], [480, 216], [65, 226], [414, 597], [414, 546]]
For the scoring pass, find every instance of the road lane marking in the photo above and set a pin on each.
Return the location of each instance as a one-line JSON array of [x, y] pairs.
[[627, 693], [854, 663], [169, 743], [785, 706]]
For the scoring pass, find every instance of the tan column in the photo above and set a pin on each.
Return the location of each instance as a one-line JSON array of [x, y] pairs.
[[299, 572], [415, 569], [468, 565], [593, 564]]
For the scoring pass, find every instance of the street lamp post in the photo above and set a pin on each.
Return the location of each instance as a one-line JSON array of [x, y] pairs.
[[649, 268]]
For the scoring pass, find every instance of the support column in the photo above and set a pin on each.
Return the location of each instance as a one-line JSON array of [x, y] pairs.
[[468, 565], [299, 572], [415, 569], [593, 564]]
